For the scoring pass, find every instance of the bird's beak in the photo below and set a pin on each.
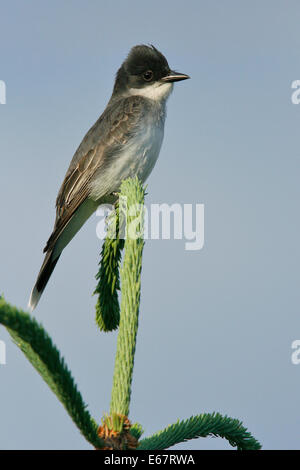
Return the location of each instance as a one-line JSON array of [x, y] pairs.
[[174, 77]]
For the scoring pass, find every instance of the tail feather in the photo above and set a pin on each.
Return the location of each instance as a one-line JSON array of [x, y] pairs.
[[42, 279], [84, 211]]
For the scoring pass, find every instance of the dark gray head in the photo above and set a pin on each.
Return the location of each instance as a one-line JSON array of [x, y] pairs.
[[145, 68]]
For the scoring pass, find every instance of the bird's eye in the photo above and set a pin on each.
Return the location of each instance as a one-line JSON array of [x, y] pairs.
[[147, 76]]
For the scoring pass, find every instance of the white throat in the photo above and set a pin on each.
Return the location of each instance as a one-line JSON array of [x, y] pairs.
[[156, 91]]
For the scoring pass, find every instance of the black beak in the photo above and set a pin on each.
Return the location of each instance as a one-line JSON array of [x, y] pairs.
[[174, 77]]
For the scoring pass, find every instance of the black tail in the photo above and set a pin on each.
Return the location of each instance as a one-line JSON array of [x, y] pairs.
[[42, 279]]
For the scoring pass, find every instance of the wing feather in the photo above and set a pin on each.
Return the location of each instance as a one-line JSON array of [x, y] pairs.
[[112, 130]]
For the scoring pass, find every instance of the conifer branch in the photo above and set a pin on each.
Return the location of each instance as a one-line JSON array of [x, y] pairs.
[[107, 307], [131, 210], [37, 346], [202, 426]]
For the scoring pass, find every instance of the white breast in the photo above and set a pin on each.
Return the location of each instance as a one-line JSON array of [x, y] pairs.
[[141, 155], [137, 158]]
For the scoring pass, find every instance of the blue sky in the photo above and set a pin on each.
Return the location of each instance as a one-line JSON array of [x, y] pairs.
[[216, 325]]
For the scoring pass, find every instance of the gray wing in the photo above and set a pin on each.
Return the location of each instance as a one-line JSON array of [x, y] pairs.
[[113, 129]]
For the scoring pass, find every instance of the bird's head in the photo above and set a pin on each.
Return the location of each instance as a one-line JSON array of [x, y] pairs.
[[146, 72]]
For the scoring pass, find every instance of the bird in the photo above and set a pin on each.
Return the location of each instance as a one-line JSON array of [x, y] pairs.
[[124, 142]]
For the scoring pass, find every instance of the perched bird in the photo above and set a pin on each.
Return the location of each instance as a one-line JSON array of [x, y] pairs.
[[124, 142]]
